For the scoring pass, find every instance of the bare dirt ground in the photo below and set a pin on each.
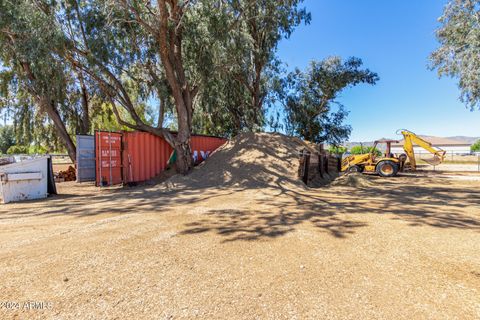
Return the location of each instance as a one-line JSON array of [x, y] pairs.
[[400, 248], [457, 167]]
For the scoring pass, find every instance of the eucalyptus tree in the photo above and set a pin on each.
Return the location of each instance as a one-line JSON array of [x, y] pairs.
[[311, 98], [29, 54], [208, 60], [139, 52], [202, 65], [250, 54], [459, 53]]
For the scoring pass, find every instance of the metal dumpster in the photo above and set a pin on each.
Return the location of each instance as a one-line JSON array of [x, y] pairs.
[[24, 180]]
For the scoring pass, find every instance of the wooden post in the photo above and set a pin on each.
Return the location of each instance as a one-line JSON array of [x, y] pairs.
[[321, 165], [306, 164]]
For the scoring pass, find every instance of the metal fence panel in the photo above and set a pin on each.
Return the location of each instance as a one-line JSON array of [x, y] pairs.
[[455, 160], [85, 158]]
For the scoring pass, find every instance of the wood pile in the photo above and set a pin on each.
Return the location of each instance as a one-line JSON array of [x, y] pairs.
[[67, 175]]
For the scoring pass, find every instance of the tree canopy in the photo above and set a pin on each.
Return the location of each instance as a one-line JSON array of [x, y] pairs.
[[199, 66], [312, 108], [205, 66], [475, 147], [32, 71], [459, 53]]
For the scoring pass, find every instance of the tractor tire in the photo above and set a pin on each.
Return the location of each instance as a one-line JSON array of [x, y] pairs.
[[354, 169], [387, 169]]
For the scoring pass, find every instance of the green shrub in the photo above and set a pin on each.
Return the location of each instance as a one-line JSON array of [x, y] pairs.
[[337, 150], [7, 138], [362, 150], [37, 150], [17, 150], [475, 147]]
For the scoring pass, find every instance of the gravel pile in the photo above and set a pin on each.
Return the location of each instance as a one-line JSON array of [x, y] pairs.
[[250, 160], [357, 180]]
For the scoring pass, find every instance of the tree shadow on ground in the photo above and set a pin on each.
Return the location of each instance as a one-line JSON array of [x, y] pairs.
[[286, 203], [253, 225], [339, 211]]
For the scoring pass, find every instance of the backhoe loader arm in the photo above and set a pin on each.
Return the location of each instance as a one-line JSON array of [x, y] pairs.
[[410, 138]]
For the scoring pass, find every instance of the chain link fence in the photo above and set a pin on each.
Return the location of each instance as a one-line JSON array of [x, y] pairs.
[[455, 160]]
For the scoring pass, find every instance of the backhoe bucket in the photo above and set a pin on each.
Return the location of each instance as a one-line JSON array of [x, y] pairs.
[[435, 161]]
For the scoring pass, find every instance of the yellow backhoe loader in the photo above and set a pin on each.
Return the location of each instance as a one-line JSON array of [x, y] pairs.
[[389, 164]]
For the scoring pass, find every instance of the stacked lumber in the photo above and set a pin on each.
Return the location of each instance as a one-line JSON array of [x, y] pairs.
[[67, 175]]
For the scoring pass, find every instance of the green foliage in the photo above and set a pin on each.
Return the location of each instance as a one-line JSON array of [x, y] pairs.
[[32, 149], [31, 128], [459, 53], [103, 118], [17, 149], [239, 88], [84, 57], [363, 150], [29, 43], [339, 150], [312, 111], [37, 150], [7, 138], [475, 147], [36, 82]]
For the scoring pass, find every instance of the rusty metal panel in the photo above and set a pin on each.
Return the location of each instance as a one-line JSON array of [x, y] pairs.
[[108, 151]]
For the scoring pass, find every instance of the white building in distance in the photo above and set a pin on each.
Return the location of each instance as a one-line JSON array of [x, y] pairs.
[[452, 146]]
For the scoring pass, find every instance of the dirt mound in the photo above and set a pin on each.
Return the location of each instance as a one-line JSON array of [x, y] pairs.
[[357, 180], [249, 160]]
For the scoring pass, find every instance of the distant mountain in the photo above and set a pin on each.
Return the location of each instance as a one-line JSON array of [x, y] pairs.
[[355, 143], [469, 140]]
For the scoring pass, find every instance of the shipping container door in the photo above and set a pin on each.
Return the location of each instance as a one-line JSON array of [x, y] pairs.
[[109, 166], [85, 158]]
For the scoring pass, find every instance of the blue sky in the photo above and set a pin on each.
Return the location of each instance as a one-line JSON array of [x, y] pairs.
[[394, 39]]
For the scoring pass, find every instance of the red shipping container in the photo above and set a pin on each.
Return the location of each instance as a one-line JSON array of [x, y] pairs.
[[108, 151], [144, 155]]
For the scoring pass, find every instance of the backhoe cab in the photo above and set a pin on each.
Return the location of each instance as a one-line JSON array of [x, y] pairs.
[[386, 165]]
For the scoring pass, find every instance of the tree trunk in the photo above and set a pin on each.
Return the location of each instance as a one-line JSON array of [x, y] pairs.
[[184, 157], [182, 140], [169, 37], [61, 130], [48, 105]]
